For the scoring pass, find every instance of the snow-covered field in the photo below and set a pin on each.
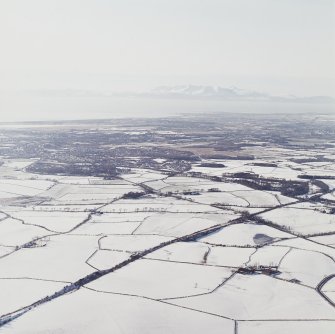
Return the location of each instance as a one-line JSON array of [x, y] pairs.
[[192, 254], [261, 297], [303, 219], [98, 312]]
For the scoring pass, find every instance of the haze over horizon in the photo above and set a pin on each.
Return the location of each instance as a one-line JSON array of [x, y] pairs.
[[280, 48]]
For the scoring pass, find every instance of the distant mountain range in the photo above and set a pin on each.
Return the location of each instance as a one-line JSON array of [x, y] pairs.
[[185, 92], [222, 93], [205, 91]]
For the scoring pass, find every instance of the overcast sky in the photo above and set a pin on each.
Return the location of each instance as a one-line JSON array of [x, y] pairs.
[[275, 46]]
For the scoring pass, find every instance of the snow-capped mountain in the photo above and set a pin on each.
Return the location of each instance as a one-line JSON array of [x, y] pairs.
[[232, 93], [206, 91]]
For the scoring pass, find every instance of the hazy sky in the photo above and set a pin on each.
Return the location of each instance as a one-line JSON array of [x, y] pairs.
[[276, 46]]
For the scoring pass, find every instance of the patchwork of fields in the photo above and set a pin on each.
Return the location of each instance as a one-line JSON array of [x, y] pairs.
[[151, 252]]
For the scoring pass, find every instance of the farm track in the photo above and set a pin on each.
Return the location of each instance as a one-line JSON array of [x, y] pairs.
[[321, 285]]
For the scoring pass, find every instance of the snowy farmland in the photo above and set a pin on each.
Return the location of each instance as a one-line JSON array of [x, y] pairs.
[[183, 253]]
